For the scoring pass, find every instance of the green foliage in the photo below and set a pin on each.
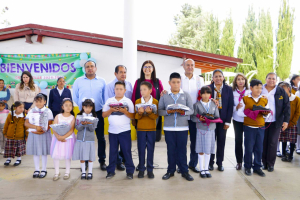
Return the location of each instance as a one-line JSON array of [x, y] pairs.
[[285, 39], [227, 41]]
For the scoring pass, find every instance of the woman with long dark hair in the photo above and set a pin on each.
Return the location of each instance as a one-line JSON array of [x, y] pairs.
[[4, 93], [148, 73], [295, 83], [26, 90]]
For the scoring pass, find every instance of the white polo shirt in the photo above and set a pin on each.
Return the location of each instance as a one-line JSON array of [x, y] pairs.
[[118, 123]]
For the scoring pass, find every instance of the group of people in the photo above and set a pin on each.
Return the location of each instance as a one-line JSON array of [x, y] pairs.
[[263, 115]]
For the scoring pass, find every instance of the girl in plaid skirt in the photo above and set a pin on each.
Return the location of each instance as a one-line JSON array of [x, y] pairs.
[[15, 132], [290, 134]]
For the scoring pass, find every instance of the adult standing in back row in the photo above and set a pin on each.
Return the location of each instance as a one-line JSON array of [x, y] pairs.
[[92, 86], [148, 73], [191, 84]]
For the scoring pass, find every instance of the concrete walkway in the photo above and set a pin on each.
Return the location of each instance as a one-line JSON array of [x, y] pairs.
[[283, 183]]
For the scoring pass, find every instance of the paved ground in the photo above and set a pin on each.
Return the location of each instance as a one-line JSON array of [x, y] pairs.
[[283, 183]]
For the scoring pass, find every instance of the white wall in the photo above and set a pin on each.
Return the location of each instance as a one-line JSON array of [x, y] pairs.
[[107, 57]]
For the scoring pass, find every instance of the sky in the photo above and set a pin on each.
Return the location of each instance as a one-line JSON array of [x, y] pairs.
[[155, 18]]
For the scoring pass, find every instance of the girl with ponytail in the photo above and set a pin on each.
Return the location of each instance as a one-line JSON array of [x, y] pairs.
[[15, 132]]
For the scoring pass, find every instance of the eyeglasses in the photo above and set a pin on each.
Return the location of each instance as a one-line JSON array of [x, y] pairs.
[[148, 67]]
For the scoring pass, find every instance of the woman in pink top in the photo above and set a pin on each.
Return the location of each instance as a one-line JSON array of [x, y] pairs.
[[148, 74]]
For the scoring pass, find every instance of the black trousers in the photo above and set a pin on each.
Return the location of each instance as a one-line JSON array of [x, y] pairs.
[[220, 133], [100, 137], [270, 144], [238, 132]]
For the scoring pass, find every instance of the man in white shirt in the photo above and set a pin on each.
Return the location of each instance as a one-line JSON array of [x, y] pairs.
[[191, 84]]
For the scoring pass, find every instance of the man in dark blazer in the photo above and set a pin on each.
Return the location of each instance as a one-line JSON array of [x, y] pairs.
[[221, 129]]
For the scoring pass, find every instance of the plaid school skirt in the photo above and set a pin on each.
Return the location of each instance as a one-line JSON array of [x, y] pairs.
[[289, 135], [14, 148]]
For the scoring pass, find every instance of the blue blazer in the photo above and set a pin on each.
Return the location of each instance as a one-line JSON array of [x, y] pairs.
[[227, 102], [55, 99]]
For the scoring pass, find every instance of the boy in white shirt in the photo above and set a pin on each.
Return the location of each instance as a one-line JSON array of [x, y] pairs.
[[119, 129]]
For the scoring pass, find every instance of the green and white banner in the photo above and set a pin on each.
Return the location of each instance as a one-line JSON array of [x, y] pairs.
[[45, 68]]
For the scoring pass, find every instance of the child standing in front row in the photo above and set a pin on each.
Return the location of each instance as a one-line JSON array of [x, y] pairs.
[[254, 130], [176, 127], [15, 132], [205, 142], [3, 115], [290, 134], [85, 144], [119, 130], [146, 130], [38, 144], [62, 146]]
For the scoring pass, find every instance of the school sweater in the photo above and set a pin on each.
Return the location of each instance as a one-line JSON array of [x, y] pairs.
[[146, 122], [249, 102], [16, 130], [295, 109]]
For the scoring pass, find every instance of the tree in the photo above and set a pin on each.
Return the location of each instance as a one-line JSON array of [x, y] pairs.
[[196, 30], [5, 22], [227, 41], [285, 39], [263, 37], [246, 49]]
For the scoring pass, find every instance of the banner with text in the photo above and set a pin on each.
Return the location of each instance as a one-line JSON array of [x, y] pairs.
[[45, 68]]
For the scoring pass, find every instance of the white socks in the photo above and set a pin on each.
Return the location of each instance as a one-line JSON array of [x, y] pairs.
[[68, 166], [278, 144], [56, 166], [298, 142], [82, 167], [44, 163], [36, 160], [200, 160], [90, 167], [8, 159], [207, 159], [18, 158]]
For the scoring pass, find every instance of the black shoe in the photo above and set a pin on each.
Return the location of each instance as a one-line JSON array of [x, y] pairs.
[[17, 163], [129, 176], [36, 174], [178, 170], [194, 169], [259, 172], [141, 174], [221, 168], [211, 167], [260, 108], [103, 166], [208, 175], [110, 175], [150, 174], [286, 159], [270, 168], [89, 176], [83, 176], [7, 162], [187, 176], [238, 166], [167, 176], [203, 175], [265, 167], [137, 168], [121, 167], [248, 172], [43, 174]]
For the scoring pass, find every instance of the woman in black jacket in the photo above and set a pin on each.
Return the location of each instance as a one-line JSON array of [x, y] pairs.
[[278, 102], [57, 95]]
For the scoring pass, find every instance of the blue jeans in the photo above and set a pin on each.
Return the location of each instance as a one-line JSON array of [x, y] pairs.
[[253, 142]]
